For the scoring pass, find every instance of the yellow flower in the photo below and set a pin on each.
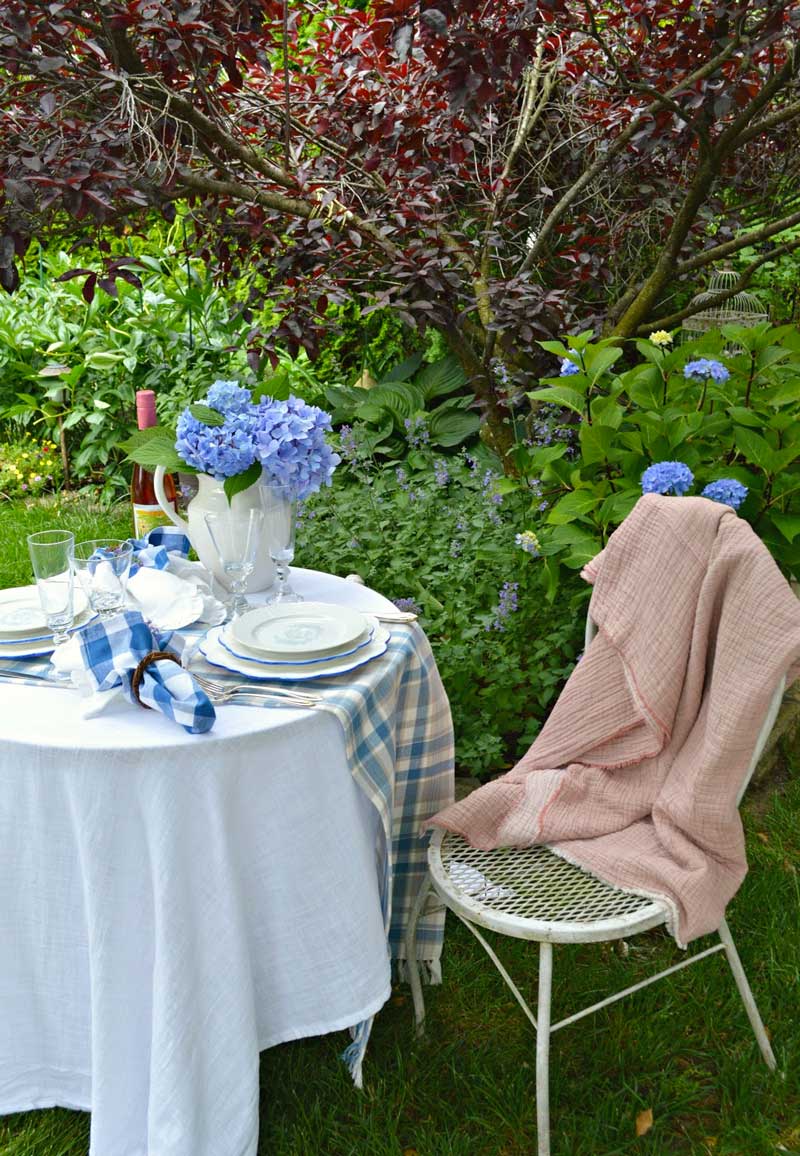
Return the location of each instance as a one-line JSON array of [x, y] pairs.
[[661, 337]]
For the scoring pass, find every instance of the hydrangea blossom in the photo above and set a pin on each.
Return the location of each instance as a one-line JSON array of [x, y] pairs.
[[726, 490], [229, 397], [661, 338], [667, 478], [568, 368], [221, 450], [287, 438], [290, 443], [705, 368], [528, 542]]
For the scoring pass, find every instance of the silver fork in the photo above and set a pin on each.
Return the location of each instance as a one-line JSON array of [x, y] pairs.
[[222, 692]]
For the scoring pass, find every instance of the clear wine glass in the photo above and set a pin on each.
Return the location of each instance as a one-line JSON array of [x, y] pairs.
[[51, 557], [101, 567], [280, 507], [236, 537]]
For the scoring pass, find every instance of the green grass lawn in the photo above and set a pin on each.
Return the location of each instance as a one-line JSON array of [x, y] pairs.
[[682, 1048]]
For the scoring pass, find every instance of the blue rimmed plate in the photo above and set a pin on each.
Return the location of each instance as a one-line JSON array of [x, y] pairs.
[[228, 640], [216, 654]]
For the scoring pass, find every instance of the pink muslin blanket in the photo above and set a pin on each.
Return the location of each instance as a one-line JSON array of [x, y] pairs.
[[635, 775]]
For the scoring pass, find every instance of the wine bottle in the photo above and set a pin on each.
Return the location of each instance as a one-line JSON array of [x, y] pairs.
[[147, 514]]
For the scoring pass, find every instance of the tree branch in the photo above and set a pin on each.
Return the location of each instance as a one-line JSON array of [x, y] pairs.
[[724, 295], [291, 206], [615, 147], [718, 252]]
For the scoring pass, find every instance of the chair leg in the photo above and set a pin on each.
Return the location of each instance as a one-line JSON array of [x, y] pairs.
[[543, 1049], [412, 964], [745, 992]]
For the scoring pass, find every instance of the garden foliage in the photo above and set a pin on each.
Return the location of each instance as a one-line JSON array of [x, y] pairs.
[[724, 407], [496, 171], [435, 534]]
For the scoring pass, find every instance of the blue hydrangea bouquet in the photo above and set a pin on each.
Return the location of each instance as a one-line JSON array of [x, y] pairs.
[[237, 440]]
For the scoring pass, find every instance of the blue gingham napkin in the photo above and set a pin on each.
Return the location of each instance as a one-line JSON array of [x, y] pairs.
[[154, 549], [112, 649]]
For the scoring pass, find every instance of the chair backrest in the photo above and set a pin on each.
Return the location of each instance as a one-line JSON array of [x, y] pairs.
[[763, 734]]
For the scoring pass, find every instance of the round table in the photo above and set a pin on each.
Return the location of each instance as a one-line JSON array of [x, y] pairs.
[[172, 904]]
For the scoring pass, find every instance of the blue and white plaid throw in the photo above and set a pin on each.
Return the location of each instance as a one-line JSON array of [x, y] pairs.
[[111, 651], [399, 737]]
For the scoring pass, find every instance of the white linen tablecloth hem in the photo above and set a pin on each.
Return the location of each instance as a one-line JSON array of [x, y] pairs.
[[324, 1028], [45, 1087], [52, 1100]]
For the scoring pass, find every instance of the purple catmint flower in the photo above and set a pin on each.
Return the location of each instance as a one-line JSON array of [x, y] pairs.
[[408, 605], [507, 604], [417, 432], [440, 472], [348, 444]]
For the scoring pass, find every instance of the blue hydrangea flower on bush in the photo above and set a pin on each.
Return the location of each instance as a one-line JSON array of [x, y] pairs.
[[726, 490], [667, 478], [568, 368], [705, 368]]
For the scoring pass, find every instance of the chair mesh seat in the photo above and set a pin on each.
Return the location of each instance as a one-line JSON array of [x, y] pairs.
[[533, 883]]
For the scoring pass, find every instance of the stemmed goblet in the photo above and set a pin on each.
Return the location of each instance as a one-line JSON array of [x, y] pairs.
[[236, 537], [280, 506]]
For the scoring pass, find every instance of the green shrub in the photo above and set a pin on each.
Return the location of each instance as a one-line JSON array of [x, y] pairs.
[[742, 424]]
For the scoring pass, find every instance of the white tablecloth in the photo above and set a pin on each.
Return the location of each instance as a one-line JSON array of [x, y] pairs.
[[171, 904]]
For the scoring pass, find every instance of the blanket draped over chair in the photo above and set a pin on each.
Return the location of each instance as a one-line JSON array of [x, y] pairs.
[[635, 775]]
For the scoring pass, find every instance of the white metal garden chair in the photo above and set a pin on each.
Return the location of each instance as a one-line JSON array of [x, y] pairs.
[[531, 893]]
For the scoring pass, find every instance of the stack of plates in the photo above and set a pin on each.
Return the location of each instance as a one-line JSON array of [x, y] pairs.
[[23, 626], [298, 641]]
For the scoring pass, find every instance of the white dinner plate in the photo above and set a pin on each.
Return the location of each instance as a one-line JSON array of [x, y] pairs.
[[300, 630], [30, 648], [215, 653], [239, 650], [21, 615]]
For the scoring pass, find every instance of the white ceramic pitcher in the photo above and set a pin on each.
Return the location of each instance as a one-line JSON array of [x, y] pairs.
[[211, 498]]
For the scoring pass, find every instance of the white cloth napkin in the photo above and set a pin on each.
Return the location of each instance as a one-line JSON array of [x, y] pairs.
[[67, 660], [177, 596]]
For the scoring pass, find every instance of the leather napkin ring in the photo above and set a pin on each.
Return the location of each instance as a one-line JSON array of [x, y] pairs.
[[138, 674]]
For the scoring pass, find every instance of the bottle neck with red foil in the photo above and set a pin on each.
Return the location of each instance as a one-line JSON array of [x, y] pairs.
[[146, 408]]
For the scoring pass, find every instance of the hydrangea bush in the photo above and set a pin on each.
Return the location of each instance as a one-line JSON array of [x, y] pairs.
[[234, 437], [719, 417]]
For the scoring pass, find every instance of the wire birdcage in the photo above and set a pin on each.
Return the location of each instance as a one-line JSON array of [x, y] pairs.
[[740, 309]]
